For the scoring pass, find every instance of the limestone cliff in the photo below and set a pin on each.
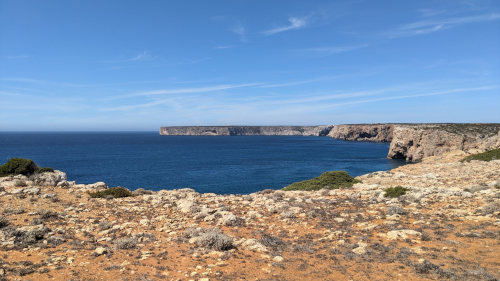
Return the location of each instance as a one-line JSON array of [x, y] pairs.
[[415, 142], [411, 142], [245, 130], [370, 132]]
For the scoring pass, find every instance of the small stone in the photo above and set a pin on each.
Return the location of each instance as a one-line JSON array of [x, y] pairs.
[[100, 251], [278, 259]]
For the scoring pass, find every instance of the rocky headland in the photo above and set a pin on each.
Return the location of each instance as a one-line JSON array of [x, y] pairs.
[[445, 227], [245, 130], [360, 132], [411, 142]]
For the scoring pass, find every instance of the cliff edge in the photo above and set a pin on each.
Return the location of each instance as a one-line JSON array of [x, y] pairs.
[[370, 132], [411, 142], [245, 130], [415, 142]]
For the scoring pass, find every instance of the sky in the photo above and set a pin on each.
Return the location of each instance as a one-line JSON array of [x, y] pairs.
[[138, 65]]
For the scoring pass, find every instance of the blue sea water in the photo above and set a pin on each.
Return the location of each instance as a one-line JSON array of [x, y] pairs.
[[221, 164]]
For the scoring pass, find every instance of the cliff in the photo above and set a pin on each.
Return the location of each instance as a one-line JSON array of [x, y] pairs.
[[415, 142], [411, 142], [245, 130], [371, 132]]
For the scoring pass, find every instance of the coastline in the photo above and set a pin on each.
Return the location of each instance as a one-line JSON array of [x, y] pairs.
[[444, 227], [411, 142]]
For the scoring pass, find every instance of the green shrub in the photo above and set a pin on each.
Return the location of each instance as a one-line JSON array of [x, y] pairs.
[[115, 192], [485, 156], [16, 166], [328, 180], [45, 170], [394, 192]]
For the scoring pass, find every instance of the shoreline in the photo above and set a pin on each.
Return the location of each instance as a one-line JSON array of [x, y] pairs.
[[444, 227]]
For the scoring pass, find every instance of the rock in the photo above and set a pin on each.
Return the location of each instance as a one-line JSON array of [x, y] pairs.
[[229, 219], [372, 132], [142, 191], [32, 191], [65, 184], [253, 245], [96, 186], [414, 142], [49, 178], [187, 206], [99, 251], [361, 249], [17, 191], [278, 259], [402, 234]]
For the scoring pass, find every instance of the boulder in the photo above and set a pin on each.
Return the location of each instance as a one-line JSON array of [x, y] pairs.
[[49, 178]]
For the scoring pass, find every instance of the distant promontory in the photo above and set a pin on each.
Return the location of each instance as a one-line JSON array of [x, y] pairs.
[[411, 142], [245, 130]]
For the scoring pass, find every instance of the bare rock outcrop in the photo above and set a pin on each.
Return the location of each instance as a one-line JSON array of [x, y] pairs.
[[415, 142], [371, 132]]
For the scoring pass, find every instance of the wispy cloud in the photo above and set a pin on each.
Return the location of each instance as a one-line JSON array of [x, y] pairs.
[[299, 82], [222, 47], [295, 23], [137, 106], [240, 30], [425, 94], [194, 90], [39, 81], [17, 57], [437, 24], [332, 50], [430, 12], [141, 56]]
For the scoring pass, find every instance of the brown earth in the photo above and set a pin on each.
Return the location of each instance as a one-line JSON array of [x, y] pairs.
[[446, 227]]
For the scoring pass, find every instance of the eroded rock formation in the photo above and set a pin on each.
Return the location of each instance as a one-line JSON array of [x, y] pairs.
[[371, 132], [415, 142]]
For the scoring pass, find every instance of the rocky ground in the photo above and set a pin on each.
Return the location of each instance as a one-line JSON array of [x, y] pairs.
[[447, 226]]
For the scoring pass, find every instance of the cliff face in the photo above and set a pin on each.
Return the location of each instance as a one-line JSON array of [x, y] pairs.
[[245, 130], [373, 132], [415, 142]]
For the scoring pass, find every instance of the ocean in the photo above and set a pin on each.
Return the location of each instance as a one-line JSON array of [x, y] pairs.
[[220, 164]]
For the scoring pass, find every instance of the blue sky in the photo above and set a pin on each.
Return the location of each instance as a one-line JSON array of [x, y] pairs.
[[139, 65]]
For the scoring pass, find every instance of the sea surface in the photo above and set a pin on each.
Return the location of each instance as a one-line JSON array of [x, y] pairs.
[[220, 164]]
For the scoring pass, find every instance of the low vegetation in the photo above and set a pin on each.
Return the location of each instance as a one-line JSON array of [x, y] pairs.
[[3, 222], [469, 129], [485, 156], [328, 180], [115, 192], [45, 170], [125, 243], [394, 192], [16, 166], [21, 166], [215, 239]]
